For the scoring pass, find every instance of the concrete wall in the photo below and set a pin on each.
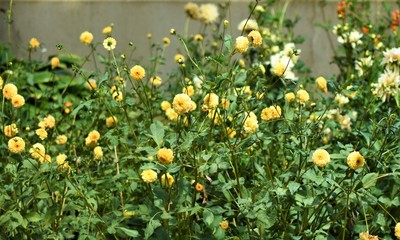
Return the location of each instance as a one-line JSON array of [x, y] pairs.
[[61, 22]]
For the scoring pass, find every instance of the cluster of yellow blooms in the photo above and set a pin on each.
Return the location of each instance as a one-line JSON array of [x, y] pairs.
[[10, 92], [321, 158], [242, 43]]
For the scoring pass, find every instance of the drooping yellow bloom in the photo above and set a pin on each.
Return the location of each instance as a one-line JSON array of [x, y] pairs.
[[355, 160], [42, 133], [166, 41], [91, 84], [179, 58], [137, 72], [321, 84], [111, 121], [148, 176], [117, 96], [303, 96], [18, 101], [60, 159], [9, 91], [198, 37], [192, 10], [167, 180], [156, 81], [172, 115], [10, 130], [321, 157], [98, 153], [107, 30], [165, 155], [34, 43], [61, 139], [255, 38], [16, 145], [86, 37], [37, 151], [242, 44]]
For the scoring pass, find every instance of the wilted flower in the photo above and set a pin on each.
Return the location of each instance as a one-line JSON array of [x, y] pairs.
[[355, 160], [148, 176], [16, 145], [242, 44], [109, 43], [86, 38], [321, 157], [165, 155], [192, 10]]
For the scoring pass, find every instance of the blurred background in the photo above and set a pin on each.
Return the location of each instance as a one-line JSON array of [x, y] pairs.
[[55, 22]]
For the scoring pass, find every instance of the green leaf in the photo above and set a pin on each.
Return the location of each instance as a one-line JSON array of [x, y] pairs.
[[129, 232], [34, 217], [208, 217], [80, 106], [42, 77], [151, 226], [240, 79], [369, 180], [293, 187], [42, 195], [228, 42], [157, 132]]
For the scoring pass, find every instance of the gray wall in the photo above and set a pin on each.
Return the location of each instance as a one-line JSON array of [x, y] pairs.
[[61, 22]]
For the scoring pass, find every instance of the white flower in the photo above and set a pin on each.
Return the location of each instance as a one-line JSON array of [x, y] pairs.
[[208, 13], [197, 82], [388, 85], [251, 25], [363, 63], [341, 99], [353, 38]]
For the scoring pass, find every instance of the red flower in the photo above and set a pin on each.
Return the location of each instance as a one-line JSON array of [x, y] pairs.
[[341, 9], [395, 20]]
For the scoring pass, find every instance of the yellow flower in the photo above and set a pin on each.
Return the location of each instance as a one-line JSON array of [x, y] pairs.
[[199, 187], [1, 82], [208, 13], [165, 105], [230, 132], [167, 180], [111, 121], [137, 72], [397, 230], [182, 104], [302, 96], [148, 176], [366, 236], [46, 158], [172, 115], [61, 139], [109, 43], [9, 91], [37, 151], [128, 213], [192, 10], [107, 30], [211, 100], [48, 122], [189, 90], [119, 80], [322, 84], [198, 37], [10, 130], [279, 68], [156, 81], [18, 101], [290, 97], [91, 84], [16, 145], [248, 25], [251, 123], [179, 58], [55, 62], [42, 133], [355, 160], [117, 96], [166, 41], [34, 43], [224, 225], [321, 157], [242, 44], [86, 37], [60, 159], [255, 38], [271, 113], [98, 153], [92, 138], [225, 103], [165, 155]]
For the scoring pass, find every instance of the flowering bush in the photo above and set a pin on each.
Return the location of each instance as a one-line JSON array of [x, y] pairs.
[[237, 141]]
